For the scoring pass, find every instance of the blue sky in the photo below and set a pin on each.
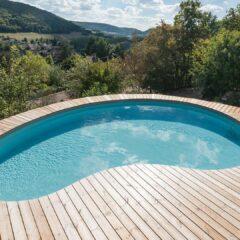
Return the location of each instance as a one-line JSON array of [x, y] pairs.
[[141, 14]]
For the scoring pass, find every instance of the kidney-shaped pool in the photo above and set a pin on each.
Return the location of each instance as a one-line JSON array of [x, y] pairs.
[[51, 153]]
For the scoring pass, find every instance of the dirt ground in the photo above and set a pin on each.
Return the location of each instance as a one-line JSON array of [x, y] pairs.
[[188, 92]]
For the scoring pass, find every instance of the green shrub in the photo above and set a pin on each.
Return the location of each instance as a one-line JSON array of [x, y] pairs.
[[216, 64]]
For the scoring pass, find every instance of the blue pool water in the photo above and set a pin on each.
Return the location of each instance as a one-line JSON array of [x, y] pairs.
[[54, 152]]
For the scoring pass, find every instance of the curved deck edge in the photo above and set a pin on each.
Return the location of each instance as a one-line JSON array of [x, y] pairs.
[[10, 123], [141, 201]]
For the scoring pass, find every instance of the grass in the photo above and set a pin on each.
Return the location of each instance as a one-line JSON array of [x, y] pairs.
[[33, 36]]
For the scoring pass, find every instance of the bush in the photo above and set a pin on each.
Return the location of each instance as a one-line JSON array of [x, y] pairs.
[[216, 65], [232, 20], [21, 79], [93, 78], [157, 63]]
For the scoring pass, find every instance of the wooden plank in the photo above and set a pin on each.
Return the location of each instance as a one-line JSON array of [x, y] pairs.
[[16, 221], [201, 192], [225, 108], [53, 221], [24, 118], [231, 109], [4, 127], [29, 223], [9, 124], [182, 202], [76, 218], [6, 232], [175, 218], [41, 221], [148, 222], [136, 213], [208, 192], [227, 192], [113, 204], [168, 221], [160, 198], [210, 217], [237, 169], [63, 217], [215, 206], [106, 211], [95, 211], [225, 180], [232, 174], [14, 121], [85, 214]]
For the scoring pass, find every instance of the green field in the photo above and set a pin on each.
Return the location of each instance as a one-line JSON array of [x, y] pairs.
[[30, 36]]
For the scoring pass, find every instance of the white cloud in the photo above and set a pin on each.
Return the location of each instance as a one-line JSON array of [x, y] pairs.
[[131, 15], [164, 136], [128, 158], [212, 8], [226, 2], [157, 5], [141, 14], [209, 152]]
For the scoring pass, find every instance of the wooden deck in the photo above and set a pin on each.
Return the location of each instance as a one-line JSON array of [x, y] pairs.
[[133, 202]]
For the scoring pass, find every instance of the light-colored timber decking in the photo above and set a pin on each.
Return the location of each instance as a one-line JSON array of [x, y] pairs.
[[133, 202]]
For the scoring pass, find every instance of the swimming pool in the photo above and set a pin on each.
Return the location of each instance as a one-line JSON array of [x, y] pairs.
[[51, 153]]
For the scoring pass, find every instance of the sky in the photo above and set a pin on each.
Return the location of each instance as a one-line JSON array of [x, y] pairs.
[[140, 14]]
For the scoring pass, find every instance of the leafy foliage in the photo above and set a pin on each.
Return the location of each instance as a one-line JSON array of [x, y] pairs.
[[25, 78], [88, 78], [162, 61], [21, 79], [154, 62], [195, 51], [103, 49], [195, 23], [232, 20], [98, 46], [216, 65]]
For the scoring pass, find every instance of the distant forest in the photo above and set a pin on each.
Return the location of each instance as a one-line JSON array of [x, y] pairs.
[[113, 30], [19, 17], [198, 51]]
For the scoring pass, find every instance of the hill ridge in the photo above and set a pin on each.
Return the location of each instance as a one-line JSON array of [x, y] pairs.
[[111, 29], [21, 17]]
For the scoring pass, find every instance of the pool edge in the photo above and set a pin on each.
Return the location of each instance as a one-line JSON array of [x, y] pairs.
[[50, 217]]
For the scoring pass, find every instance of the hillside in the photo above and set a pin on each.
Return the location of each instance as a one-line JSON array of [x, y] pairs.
[[19, 17], [110, 29]]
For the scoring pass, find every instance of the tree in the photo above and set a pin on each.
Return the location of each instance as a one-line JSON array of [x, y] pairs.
[[22, 79], [66, 50], [88, 78], [19, 17], [216, 65], [56, 77], [232, 20], [156, 62], [195, 25], [98, 46], [117, 50], [35, 70]]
